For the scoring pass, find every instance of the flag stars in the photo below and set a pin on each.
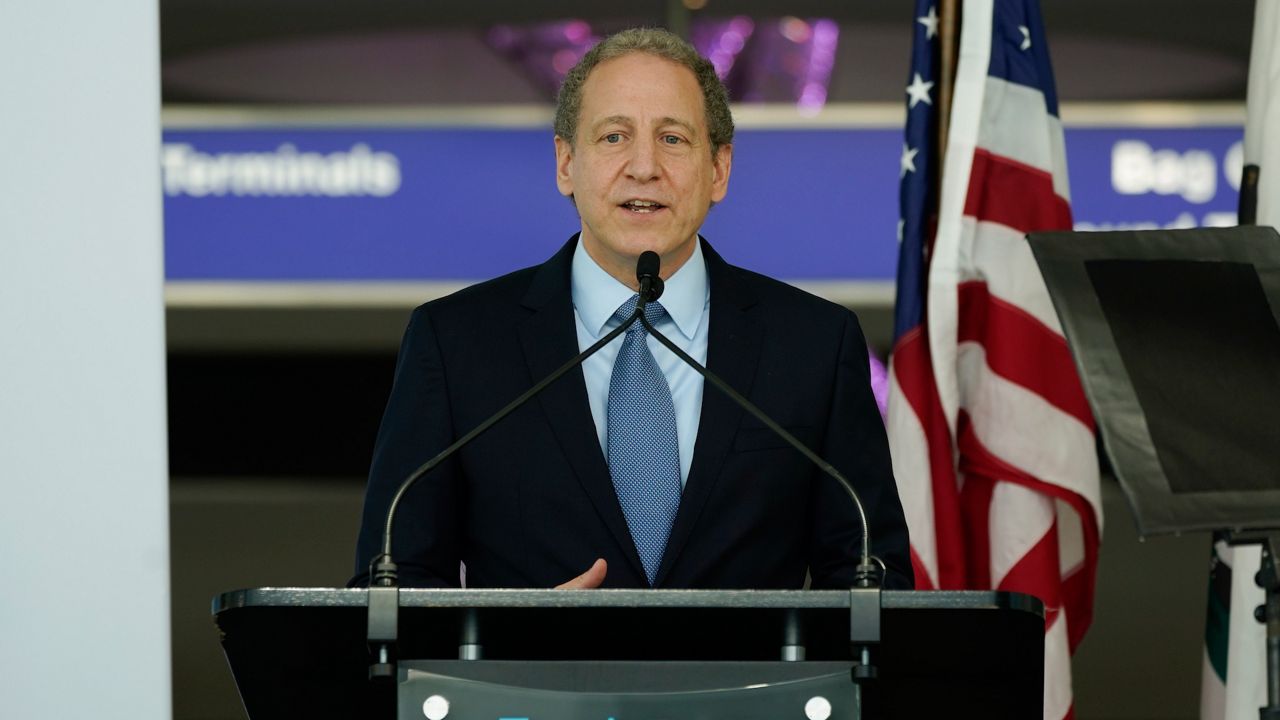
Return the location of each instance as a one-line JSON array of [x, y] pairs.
[[908, 161], [930, 23], [1026, 37], [918, 91]]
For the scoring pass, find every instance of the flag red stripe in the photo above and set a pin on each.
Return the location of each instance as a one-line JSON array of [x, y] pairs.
[[1016, 195], [1036, 573], [1019, 348], [975, 499], [914, 370]]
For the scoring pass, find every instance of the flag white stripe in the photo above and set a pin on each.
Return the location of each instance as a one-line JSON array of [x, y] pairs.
[[1057, 669], [1058, 150], [1069, 461], [1016, 125], [1018, 519], [1000, 256]]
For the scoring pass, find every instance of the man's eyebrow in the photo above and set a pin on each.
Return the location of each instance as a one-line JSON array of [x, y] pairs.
[[613, 120], [677, 121]]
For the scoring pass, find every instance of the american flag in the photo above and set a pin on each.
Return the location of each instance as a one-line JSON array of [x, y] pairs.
[[992, 439]]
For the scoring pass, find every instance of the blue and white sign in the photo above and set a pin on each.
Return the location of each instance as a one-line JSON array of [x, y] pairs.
[[448, 203], [1141, 179]]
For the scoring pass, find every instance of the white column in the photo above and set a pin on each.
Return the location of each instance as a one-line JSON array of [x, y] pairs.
[[84, 607]]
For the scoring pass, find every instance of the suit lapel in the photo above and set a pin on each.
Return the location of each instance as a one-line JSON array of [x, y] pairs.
[[549, 339], [733, 351]]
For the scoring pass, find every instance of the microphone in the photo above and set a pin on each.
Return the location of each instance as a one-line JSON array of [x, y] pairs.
[[865, 575], [383, 602], [651, 285]]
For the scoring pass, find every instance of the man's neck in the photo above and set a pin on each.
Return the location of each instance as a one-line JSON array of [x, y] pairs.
[[623, 268]]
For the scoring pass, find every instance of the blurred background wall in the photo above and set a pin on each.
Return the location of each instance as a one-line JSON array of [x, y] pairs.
[[84, 541], [330, 164]]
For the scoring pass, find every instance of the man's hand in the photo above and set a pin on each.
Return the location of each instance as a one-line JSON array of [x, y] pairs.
[[592, 578]]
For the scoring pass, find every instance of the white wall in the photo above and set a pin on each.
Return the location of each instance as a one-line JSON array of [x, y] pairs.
[[84, 577]]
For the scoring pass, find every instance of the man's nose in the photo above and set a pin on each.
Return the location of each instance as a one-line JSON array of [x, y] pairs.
[[643, 164]]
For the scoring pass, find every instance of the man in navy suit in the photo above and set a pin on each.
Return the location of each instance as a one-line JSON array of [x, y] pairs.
[[643, 149]]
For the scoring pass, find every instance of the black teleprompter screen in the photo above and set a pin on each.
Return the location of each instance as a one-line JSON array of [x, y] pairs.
[[1202, 350]]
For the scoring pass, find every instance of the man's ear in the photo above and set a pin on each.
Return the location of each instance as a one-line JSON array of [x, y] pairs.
[[721, 164], [564, 157]]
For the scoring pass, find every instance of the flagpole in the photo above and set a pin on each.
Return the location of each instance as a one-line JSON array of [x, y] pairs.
[[1248, 207], [949, 47]]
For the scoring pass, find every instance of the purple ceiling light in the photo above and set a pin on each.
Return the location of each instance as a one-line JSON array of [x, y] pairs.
[[721, 41], [824, 36], [546, 51], [779, 60], [788, 59]]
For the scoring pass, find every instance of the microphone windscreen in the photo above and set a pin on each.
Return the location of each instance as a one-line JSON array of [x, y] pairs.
[[648, 265]]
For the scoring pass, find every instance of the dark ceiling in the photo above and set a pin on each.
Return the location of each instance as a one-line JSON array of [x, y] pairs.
[[413, 52]]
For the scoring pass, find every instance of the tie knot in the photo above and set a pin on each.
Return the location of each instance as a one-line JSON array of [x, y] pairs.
[[653, 312]]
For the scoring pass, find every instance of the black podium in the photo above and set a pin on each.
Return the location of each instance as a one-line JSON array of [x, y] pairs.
[[634, 654]]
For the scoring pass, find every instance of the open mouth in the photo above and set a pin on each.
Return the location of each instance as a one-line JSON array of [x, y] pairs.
[[642, 206]]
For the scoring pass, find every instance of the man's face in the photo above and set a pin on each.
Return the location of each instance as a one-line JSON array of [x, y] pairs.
[[640, 170]]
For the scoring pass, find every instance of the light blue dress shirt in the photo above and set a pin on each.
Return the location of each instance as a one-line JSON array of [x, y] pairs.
[[687, 299]]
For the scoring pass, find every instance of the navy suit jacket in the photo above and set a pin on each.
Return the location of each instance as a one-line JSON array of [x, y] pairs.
[[530, 503]]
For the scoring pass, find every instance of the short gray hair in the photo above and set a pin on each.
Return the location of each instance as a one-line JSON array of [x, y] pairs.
[[651, 41]]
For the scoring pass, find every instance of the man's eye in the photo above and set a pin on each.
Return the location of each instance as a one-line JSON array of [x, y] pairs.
[[613, 138], [672, 139]]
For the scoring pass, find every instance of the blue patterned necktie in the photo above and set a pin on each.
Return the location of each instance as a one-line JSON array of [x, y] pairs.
[[644, 456]]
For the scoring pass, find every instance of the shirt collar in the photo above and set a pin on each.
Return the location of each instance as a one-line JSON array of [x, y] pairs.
[[597, 294]]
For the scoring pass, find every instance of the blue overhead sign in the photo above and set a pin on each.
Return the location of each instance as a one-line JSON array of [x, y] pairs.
[[1138, 179], [434, 203]]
